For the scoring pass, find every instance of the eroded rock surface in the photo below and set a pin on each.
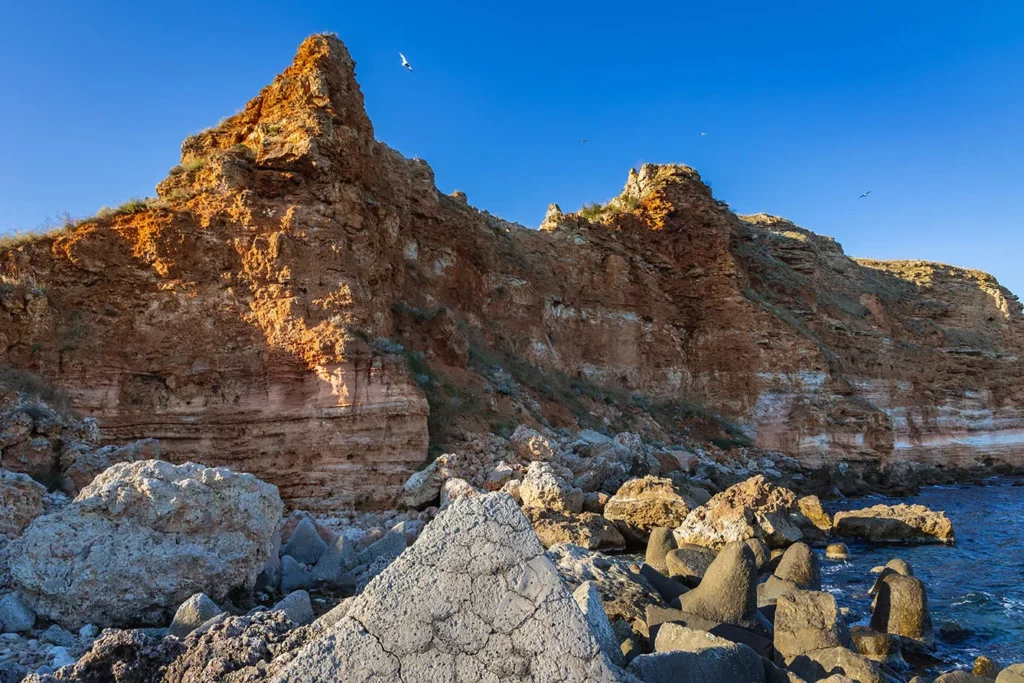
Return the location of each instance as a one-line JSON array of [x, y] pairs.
[[475, 598], [141, 539]]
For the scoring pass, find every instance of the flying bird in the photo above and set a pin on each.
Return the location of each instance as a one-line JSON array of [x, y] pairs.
[[703, 134], [864, 195], [405, 62], [583, 140]]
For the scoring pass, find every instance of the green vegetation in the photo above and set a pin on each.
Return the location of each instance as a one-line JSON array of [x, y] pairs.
[[194, 164], [31, 386]]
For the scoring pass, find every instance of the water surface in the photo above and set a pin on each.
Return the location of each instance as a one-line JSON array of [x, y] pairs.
[[978, 583]]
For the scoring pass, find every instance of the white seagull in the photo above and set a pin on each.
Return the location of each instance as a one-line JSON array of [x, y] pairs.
[[864, 195], [703, 134], [405, 62]]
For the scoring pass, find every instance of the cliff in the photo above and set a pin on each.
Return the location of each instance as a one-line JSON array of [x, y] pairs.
[[300, 302]]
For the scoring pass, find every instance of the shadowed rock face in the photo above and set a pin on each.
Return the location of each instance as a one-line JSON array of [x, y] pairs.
[[238, 319]]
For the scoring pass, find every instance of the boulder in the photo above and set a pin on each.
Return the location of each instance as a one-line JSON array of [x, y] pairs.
[[895, 524], [625, 594], [755, 508], [589, 601], [879, 647], [305, 545], [806, 621], [728, 592], [121, 656], [900, 607], [660, 543], [689, 564], [21, 501], [15, 615], [192, 614], [820, 664], [456, 488], [642, 504], [961, 677], [985, 667], [762, 554], [424, 487], [530, 445], [141, 539], [685, 655], [474, 598], [584, 529], [333, 567], [800, 565], [294, 575], [837, 551], [544, 489], [1011, 674], [297, 607], [81, 465], [815, 513]]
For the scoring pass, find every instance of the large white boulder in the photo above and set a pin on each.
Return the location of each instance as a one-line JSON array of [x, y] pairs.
[[475, 599], [141, 539]]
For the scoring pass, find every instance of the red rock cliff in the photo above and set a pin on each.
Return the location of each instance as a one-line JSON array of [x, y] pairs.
[[299, 290]]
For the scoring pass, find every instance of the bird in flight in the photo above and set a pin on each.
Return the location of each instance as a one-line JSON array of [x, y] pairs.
[[703, 134], [864, 195], [583, 140], [405, 62]]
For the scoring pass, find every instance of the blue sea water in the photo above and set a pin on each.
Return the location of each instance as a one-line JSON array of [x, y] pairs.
[[977, 583]]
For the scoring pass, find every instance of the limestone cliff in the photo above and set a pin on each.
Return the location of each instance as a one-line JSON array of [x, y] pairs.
[[302, 303]]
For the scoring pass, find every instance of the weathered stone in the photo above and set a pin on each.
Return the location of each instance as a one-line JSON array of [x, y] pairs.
[[192, 614], [901, 608], [643, 504], [424, 487], [475, 598], [294, 575], [333, 567], [456, 488], [15, 615], [120, 656], [297, 607], [837, 551], [529, 444], [589, 600], [762, 554], [248, 649], [689, 564], [813, 510], [687, 655], [961, 677], [985, 667], [305, 545], [1011, 674], [543, 489], [800, 565], [584, 529], [625, 594], [81, 465], [895, 524], [388, 547], [21, 501], [820, 664], [807, 621], [660, 543], [879, 647], [755, 508], [150, 530], [728, 592]]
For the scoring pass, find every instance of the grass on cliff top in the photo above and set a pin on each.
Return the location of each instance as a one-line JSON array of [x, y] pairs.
[[31, 386], [595, 211]]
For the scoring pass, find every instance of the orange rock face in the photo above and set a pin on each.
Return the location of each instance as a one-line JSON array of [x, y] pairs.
[[299, 291]]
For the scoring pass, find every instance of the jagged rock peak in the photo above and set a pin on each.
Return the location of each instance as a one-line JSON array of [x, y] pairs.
[[652, 177]]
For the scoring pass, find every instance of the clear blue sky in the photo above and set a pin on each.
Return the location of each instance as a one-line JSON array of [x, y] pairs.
[[806, 105]]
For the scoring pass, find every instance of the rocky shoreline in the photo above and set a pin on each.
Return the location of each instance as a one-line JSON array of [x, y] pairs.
[[133, 569]]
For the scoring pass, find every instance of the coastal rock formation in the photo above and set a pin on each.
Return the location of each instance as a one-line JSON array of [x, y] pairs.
[[895, 524], [302, 303], [474, 599], [141, 539], [21, 501]]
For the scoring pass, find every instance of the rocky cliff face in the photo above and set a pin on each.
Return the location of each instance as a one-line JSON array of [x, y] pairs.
[[301, 303]]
